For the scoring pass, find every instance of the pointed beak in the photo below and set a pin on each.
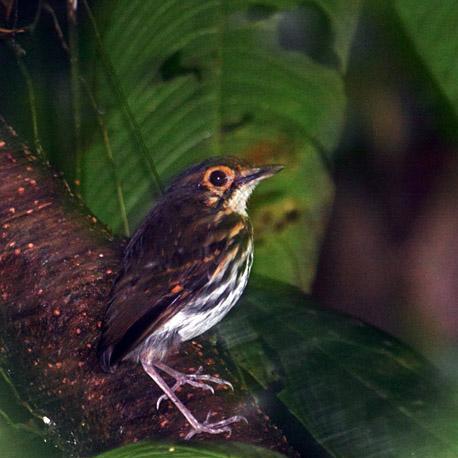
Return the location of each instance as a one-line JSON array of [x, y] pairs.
[[257, 174]]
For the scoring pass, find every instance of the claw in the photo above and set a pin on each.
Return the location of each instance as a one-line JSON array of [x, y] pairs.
[[197, 384], [218, 427], [159, 400], [208, 378]]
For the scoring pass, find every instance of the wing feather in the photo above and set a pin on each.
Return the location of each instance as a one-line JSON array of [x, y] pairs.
[[165, 267]]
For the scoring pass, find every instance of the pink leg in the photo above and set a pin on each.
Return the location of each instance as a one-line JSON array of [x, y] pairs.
[[197, 428], [196, 380]]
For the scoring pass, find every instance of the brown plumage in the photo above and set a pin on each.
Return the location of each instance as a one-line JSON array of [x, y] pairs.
[[183, 270]]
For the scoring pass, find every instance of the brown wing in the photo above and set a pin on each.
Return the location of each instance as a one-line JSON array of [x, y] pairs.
[[166, 264]]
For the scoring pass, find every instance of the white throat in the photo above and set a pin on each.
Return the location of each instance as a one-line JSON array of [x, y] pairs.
[[239, 199]]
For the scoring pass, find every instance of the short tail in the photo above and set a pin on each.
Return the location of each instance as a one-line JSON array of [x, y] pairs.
[[104, 355]]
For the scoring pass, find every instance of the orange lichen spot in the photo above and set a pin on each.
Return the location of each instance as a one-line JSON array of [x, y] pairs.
[[176, 289], [17, 251], [77, 182], [21, 190], [12, 210], [2, 143], [32, 182], [29, 168], [29, 350], [56, 312], [94, 219], [58, 365], [6, 226], [50, 365], [108, 271], [30, 245]]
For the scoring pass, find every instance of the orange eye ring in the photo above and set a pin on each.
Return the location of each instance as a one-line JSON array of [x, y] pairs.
[[218, 178]]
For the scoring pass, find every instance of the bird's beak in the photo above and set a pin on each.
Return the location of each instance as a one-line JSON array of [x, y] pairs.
[[257, 174]]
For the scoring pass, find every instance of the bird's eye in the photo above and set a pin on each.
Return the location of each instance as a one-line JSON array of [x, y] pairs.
[[218, 178]]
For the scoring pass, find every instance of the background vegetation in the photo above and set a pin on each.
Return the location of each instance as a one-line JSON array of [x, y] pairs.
[[359, 100]]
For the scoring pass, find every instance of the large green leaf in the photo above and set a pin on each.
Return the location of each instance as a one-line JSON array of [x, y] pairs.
[[355, 390], [204, 77], [433, 29], [344, 16], [223, 450]]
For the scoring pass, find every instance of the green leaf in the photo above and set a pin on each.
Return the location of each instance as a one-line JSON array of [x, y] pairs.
[[344, 14], [223, 450], [21, 431], [357, 391], [202, 77], [432, 26]]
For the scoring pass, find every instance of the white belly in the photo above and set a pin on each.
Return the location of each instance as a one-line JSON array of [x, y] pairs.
[[192, 324]]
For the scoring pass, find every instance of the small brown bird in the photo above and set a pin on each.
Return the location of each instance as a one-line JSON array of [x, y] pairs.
[[184, 268]]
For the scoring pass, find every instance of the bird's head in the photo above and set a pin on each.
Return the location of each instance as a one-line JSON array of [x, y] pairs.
[[223, 182]]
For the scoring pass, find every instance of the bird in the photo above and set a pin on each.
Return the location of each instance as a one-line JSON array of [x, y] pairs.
[[184, 268]]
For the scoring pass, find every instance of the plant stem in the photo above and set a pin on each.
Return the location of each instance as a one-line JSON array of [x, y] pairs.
[[102, 125], [19, 53], [109, 151], [75, 85]]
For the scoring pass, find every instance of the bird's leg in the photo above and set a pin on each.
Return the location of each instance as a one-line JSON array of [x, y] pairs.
[[197, 428], [197, 380]]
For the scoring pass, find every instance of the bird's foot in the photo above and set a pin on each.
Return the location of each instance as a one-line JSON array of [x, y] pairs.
[[196, 380], [218, 427]]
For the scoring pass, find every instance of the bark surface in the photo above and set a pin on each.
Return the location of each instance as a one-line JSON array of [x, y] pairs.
[[57, 264]]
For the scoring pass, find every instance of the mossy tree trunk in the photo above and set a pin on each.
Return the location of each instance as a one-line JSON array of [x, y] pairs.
[[57, 264]]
